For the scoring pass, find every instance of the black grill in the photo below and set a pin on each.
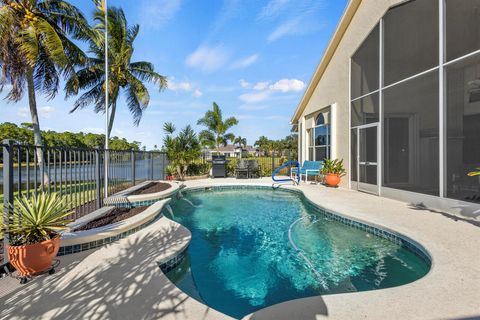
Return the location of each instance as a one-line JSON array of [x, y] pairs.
[[219, 166]]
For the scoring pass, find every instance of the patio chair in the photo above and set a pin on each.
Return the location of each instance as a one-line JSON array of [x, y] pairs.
[[253, 169], [241, 170], [308, 169]]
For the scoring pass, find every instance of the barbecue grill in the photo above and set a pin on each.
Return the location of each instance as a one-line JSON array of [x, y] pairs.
[[219, 166]]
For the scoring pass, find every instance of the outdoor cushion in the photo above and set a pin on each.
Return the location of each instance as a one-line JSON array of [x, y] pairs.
[[313, 168]]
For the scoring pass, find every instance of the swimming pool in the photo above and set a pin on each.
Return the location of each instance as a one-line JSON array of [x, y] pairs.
[[242, 259]]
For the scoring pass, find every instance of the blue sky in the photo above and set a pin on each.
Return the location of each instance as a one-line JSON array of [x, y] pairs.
[[254, 58]]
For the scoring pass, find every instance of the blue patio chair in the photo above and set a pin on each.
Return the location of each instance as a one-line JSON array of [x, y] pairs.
[[308, 169]]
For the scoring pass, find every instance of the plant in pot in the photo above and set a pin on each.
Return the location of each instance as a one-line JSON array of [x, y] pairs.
[[170, 171], [33, 232], [332, 170]]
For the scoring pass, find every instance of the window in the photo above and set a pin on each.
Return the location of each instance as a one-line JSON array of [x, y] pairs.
[[319, 138], [365, 110], [463, 27], [365, 66], [410, 40], [463, 129], [411, 135]]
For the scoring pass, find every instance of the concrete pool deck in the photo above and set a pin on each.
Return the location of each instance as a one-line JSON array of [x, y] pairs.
[[123, 281]]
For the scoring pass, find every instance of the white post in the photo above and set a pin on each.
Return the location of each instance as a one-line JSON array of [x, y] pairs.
[[106, 160]]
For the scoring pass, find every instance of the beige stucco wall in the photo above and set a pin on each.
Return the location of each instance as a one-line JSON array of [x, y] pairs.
[[334, 87]]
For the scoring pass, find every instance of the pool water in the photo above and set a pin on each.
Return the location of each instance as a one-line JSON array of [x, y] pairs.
[[240, 258]]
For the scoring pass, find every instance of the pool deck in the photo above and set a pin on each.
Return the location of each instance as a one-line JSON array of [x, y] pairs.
[[122, 280]]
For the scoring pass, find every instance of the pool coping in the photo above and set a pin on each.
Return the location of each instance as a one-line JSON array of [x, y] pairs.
[[74, 242], [123, 199], [451, 290], [318, 304]]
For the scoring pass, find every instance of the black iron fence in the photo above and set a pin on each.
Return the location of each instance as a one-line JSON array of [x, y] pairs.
[[75, 174]]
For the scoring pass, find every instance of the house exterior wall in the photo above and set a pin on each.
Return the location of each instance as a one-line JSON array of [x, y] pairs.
[[330, 87], [334, 86]]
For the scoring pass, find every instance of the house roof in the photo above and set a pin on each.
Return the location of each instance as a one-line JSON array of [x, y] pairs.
[[233, 148], [342, 26]]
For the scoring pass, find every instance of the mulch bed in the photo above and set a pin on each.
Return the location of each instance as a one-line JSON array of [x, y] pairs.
[[116, 215], [152, 187]]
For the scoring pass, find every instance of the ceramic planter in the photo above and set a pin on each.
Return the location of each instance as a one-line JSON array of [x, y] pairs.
[[34, 258], [332, 179]]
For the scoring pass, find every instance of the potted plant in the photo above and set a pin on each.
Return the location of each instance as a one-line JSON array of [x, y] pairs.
[[333, 169], [33, 231], [170, 170]]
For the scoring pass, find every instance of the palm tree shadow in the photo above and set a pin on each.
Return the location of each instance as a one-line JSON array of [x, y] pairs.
[[118, 281]]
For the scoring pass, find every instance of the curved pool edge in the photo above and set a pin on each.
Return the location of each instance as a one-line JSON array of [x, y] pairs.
[[451, 289], [348, 220], [277, 311]]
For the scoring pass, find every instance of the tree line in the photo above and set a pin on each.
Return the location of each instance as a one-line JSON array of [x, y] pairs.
[[23, 134]]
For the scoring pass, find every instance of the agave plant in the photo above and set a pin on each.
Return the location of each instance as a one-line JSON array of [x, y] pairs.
[[36, 219], [474, 173]]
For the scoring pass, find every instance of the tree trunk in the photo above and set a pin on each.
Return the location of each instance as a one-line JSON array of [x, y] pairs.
[[37, 136], [112, 118]]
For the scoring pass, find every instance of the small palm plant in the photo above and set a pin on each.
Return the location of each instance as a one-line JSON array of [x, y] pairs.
[[36, 219], [183, 149]]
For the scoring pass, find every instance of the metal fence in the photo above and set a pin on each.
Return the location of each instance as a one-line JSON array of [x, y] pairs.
[[75, 174]]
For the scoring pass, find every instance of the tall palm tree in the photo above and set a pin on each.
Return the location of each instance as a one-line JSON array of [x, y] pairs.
[[35, 51], [240, 141], [124, 75], [216, 133]]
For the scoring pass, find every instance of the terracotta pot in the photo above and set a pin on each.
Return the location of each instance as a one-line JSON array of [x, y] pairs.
[[332, 179], [34, 258]]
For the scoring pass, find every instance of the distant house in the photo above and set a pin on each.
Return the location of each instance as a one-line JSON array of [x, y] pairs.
[[231, 151]]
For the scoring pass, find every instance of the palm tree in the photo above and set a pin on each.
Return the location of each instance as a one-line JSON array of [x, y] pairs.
[[242, 142], [182, 149], [35, 51], [263, 143], [216, 133], [124, 74]]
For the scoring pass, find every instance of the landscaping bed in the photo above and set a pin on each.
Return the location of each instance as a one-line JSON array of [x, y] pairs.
[[152, 187], [116, 215]]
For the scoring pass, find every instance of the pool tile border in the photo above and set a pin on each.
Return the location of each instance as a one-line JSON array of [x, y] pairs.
[[101, 242], [389, 235], [168, 265]]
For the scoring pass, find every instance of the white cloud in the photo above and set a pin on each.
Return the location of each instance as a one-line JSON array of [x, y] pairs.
[[179, 86], [23, 112], [46, 111], [245, 62], [254, 97], [261, 85], [263, 91], [208, 59], [290, 27], [93, 130], [301, 18], [272, 9], [287, 85], [197, 93], [244, 84], [156, 14], [184, 86]]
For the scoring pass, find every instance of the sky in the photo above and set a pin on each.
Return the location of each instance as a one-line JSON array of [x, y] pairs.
[[253, 58]]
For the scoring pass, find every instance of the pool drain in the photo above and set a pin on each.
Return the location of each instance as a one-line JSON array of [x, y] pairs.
[[302, 254]]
